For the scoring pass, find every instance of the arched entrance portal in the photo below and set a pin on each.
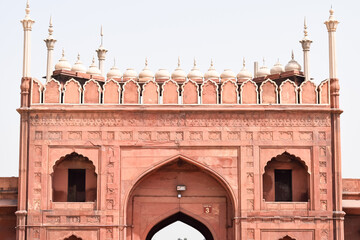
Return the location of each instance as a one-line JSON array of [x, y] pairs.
[[184, 190], [185, 219]]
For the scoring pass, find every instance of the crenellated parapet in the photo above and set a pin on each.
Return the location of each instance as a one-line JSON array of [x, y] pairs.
[[230, 91]]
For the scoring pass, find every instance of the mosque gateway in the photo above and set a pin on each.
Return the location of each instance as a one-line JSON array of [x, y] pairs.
[[121, 155]]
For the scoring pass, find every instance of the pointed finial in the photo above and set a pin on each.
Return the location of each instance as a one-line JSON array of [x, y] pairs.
[[51, 30], [27, 9], [263, 61], [102, 35], [93, 60], [63, 53], [243, 62], [178, 61], [78, 57], [292, 54], [194, 62], [114, 62], [212, 63], [305, 28], [146, 62]]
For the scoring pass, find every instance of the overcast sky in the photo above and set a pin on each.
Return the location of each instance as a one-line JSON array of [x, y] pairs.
[[162, 30]]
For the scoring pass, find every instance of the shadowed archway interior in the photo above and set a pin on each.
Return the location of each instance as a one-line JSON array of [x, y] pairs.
[[179, 216]]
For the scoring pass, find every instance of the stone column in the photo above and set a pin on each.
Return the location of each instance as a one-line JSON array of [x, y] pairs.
[[27, 23]]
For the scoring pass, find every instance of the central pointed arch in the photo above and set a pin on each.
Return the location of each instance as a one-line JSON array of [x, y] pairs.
[[179, 216], [175, 168]]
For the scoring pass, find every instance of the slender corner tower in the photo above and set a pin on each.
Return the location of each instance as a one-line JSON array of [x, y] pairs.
[[21, 212], [50, 44], [305, 43], [338, 214], [101, 52]]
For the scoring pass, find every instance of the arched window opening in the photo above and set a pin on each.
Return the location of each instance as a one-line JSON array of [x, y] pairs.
[[72, 237], [286, 179], [74, 179], [166, 228]]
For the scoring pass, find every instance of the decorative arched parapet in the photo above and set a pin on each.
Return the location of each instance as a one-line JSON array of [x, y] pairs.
[[52, 92], [288, 92], [268, 92], [190, 92], [92, 92], [72, 92], [111, 92], [249, 92], [308, 93], [170, 92], [324, 92], [209, 92], [36, 91], [150, 92], [229, 92], [131, 92], [218, 177]]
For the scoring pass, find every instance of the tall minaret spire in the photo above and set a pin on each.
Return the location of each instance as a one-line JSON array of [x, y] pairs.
[[50, 43], [27, 23], [305, 43], [101, 52]]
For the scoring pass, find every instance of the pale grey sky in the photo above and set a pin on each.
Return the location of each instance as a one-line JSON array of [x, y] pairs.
[[162, 30]]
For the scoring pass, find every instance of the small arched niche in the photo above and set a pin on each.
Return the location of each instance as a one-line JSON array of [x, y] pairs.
[[74, 179], [286, 179]]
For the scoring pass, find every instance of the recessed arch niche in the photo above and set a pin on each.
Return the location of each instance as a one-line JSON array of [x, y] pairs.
[[154, 199]]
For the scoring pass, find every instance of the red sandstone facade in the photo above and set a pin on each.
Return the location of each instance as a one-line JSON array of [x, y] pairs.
[[122, 158]]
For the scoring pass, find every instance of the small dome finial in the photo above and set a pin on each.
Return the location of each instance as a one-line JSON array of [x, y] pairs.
[[243, 62], [146, 62], [292, 54], [263, 61], [78, 56], [63, 53], [178, 62], [194, 62], [212, 63], [114, 62], [305, 28]]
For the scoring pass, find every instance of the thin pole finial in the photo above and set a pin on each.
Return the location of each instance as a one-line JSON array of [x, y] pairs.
[[179, 61], [102, 35]]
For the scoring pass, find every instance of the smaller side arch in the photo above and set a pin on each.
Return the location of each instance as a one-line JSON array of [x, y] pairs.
[[288, 92], [150, 92], [308, 93], [190, 92]]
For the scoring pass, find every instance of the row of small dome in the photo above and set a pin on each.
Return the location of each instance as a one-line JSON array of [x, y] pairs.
[[178, 73]]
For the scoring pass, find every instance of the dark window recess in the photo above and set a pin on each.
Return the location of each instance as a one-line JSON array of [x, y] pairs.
[[76, 185], [283, 186]]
